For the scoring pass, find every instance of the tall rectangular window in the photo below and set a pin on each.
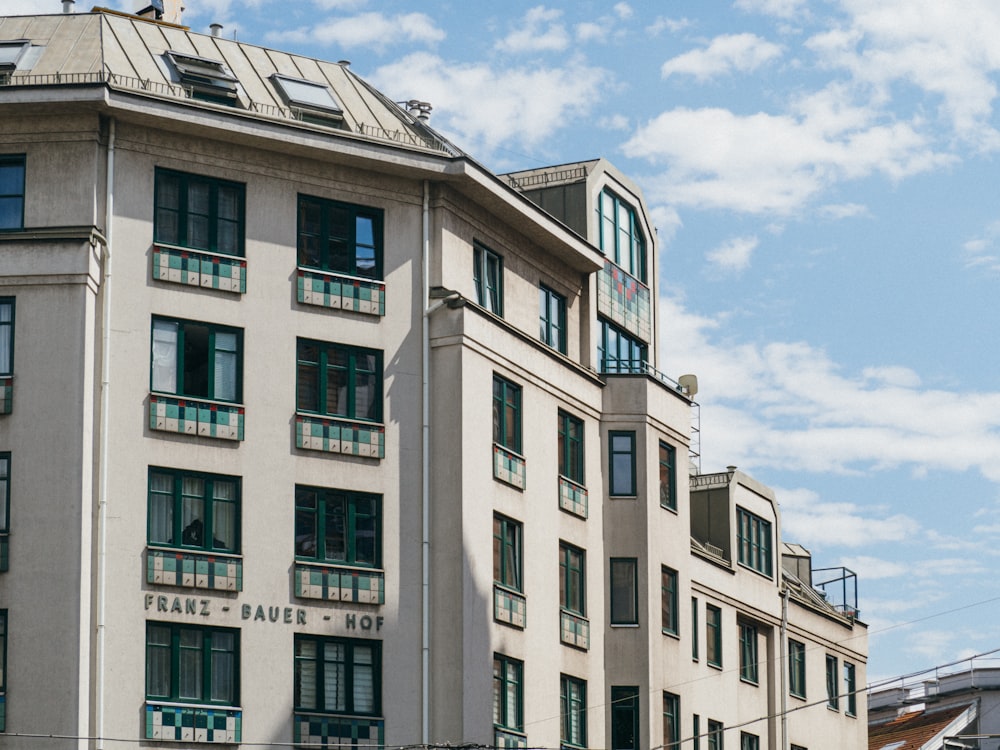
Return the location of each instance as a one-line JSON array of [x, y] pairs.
[[832, 695], [3, 662], [192, 664], [506, 414], [337, 526], [572, 579], [695, 732], [624, 591], [340, 237], [4, 493], [552, 319], [201, 213], [338, 380], [753, 537], [624, 718], [619, 352], [671, 721], [487, 273], [713, 635], [193, 510], [571, 447], [850, 689], [621, 463], [748, 653], [508, 693], [668, 600], [12, 191], [668, 476], [6, 336], [715, 735], [573, 699], [507, 552], [338, 675], [797, 668], [694, 628], [197, 360], [749, 741], [620, 235]]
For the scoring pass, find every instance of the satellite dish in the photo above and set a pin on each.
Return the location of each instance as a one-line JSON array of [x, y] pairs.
[[689, 383]]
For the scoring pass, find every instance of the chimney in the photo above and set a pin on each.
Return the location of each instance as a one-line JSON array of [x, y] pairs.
[[172, 11], [216, 29], [68, 6]]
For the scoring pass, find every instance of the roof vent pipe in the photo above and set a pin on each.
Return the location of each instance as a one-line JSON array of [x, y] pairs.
[[418, 109], [68, 5], [216, 29], [344, 63]]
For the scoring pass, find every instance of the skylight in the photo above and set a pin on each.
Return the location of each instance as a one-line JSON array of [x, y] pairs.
[[306, 95], [209, 79], [11, 54]]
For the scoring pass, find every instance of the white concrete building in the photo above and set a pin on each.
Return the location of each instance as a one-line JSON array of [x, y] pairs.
[[316, 431]]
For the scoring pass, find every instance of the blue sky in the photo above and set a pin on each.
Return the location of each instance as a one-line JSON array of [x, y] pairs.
[[820, 177]]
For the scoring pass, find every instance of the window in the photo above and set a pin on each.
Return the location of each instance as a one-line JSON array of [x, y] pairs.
[[340, 237], [748, 653], [624, 591], [797, 668], [621, 459], [694, 628], [4, 493], [197, 360], [832, 697], [190, 510], [507, 552], [624, 718], [11, 192], [668, 600], [6, 336], [713, 635], [338, 675], [3, 661], [753, 541], [487, 272], [192, 664], [749, 741], [850, 689], [572, 580], [552, 319], [571, 447], [506, 414], [206, 79], [668, 476], [508, 696], [621, 238], [573, 695], [618, 352], [337, 526], [715, 735], [202, 213], [695, 732], [671, 721], [308, 98], [337, 380]]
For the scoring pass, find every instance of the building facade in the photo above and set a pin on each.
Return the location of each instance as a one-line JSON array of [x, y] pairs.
[[357, 442]]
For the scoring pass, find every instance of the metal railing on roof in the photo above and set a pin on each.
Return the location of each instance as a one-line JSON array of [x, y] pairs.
[[544, 178], [718, 479]]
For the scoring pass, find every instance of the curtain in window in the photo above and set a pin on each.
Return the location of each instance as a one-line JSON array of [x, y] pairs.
[[334, 677], [164, 356], [158, 662], [190, 676], [513, 708], [227, 239], [305, 674], [161, 508], [225, 366], [336, 529], [223, 672], [364, 680], [365, 384], [6, 338], [224, 515], [198, 213], [193, 511]]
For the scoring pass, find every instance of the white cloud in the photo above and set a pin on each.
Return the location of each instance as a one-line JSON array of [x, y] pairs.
[[809, 521], [613, 122], [539, 32], [779, 8], [733, 254], [739, 52], [673, 25], [842, 211], [589, 32], [623, 10], [373, 30], [874, 568]]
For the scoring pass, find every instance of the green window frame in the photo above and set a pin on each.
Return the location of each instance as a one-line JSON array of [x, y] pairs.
[[694, 628], [749, 741], [624, 717], [749, 658], [832, 696], [508, 693], [668, 476], [671, 721], [6, 336], [850, 689], [753, 542], [624, 591], [193, 510], [341, 238], [196, 360], [507, 552], [552, 318], [199, 212], [506, 414], [572, 579], [338, 380], [716, 735], [338, 675], [192, 664], [3, 663], [797, 668], [619, 352], [713, 635], [668, 601], [620, 235], [573, 702], [621, 463], [695, 732], [571, 456], [487, 274], [12, 170], [5, 492], [338, 526]]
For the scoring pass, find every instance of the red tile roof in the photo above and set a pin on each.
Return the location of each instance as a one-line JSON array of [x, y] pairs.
[[914, 730]]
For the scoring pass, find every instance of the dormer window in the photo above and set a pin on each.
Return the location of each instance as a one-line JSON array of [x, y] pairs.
[[208, 79], [311, 102]]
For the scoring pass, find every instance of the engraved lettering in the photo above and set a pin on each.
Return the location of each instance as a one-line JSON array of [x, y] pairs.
[[350, 622]]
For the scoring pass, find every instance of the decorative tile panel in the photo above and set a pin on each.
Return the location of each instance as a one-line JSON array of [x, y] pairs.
[[4, 552], [624, 300], [175, 723], [340, 436], [504, 739], [194, 570], [189, 416], [338, 731], [508, 467], [198, 268], [339, 292], [7, 394], [573, 497], [339, 584], [574, 630], [509, 607]]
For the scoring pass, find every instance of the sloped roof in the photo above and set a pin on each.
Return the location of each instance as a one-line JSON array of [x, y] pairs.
[[916, 731]]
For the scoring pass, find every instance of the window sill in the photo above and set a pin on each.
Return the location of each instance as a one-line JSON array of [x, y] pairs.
[[624, 625], [762, 574], [672, 634], [751, 683]]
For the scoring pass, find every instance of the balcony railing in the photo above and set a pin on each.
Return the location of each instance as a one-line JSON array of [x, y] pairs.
[[338, 583], [574, 630], [340, 292], [338, 731], [509, 467], [205, 270], [506, 739], [573, 497], [345, 436], [509, 607], [193, 723], [200, 570], [194, 416], [6, 394]]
